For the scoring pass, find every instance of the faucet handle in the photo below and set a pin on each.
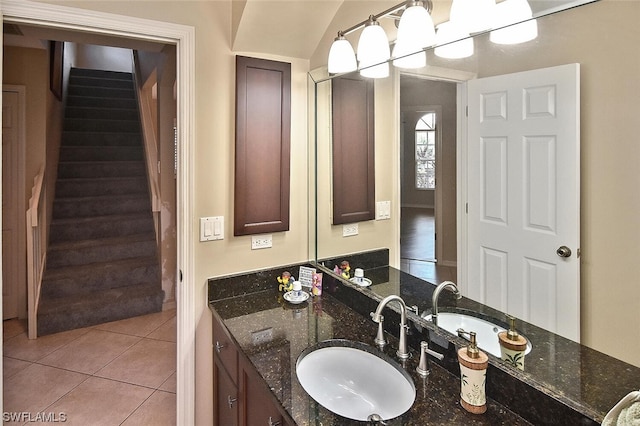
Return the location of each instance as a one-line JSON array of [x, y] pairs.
[[424, 350], [379, 340]]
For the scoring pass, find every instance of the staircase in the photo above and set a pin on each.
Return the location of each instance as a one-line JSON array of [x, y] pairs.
[[102, 262]]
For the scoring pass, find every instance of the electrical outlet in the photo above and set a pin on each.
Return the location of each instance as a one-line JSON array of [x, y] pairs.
[[261, 242], [262, 336], [349, 229]]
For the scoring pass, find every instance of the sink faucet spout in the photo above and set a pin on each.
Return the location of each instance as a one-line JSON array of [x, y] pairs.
[[436, 294], [402, 352]]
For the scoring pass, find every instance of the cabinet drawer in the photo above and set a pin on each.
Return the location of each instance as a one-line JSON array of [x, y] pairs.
[[225, 350]]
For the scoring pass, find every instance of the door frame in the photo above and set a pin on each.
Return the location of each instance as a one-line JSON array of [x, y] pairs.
[[19, 219], [183, 36], [459, 78]]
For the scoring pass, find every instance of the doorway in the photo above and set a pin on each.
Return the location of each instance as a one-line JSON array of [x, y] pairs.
[[428, 246], [100, 24]]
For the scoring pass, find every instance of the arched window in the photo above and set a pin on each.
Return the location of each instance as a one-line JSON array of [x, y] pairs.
[[426, 151]]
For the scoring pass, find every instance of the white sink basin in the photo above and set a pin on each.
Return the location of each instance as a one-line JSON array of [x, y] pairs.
[[486, 332], [352, 380]]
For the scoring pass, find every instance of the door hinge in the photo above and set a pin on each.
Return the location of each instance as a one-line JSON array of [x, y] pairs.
[[180, 275], [466, 110], [466, 208], [578, 253]]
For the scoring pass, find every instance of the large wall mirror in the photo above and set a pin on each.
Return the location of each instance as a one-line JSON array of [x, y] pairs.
[[599, 36]]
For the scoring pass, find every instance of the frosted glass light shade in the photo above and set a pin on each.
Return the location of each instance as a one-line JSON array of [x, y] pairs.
[[416, 28], [373, 49], [376, 71], [448, 47], [406, 58], [472, 16], [511, 12], [342, 58]]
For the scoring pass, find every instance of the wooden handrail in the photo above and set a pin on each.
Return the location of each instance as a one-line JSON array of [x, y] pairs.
[[36, 249]]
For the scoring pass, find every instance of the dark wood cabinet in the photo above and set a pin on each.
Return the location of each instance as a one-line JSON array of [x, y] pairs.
[[263, 137], [226, 397], [352, 100], [240, 396]]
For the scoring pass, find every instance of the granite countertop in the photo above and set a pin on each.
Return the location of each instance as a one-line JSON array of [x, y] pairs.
[[297, 327], [563, 382]]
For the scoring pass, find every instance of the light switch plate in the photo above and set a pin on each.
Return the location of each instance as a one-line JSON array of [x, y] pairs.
[[383, 210], [212, 228]]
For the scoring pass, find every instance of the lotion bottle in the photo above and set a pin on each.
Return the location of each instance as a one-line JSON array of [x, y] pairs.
[[473, 374], [512, 345]]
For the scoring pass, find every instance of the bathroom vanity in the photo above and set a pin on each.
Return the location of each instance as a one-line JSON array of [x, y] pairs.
[[260, 337], [563, 382]]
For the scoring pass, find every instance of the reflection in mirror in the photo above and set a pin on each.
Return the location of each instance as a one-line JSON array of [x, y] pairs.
[[606, 114]]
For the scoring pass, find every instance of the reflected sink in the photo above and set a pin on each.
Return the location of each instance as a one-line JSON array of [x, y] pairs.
[[486, 332], [355, 380]]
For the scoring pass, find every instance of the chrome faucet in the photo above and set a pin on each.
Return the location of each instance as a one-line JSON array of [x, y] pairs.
[[402, 352], [436, 295]]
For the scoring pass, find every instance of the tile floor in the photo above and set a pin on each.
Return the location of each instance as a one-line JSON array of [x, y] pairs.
[[118, 373]]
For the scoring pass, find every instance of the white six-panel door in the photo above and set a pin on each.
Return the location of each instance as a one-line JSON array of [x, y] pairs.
[[524, 196]]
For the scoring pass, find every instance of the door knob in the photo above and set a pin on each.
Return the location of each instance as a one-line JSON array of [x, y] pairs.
[[563, 251]]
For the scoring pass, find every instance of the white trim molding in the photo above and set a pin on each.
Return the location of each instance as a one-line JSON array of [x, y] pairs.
[[183, 36]]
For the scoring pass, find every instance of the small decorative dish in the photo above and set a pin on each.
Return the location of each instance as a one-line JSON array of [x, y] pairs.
[[361, 281], [296, 297]]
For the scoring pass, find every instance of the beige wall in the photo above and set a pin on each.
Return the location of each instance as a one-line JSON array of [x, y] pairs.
[[29, 67]]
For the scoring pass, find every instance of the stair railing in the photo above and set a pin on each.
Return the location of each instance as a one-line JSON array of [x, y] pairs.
[[150, 140], [36, 249]]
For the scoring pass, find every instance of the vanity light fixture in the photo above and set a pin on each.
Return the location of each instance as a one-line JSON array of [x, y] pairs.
[[373, 50], [416, 33], [453, 42], [517, 19], [342, 58]]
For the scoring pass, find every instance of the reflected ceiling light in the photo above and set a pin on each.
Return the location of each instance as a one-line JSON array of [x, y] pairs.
[[472, 16], [517, 19], [405, 58], [446, 36], [342, 58], [373, 49]]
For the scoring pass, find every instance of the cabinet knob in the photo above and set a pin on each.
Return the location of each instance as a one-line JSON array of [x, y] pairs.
[[219, 346], [231, 401], [274, 423]]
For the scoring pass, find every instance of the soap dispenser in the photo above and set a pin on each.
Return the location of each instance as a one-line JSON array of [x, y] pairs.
[[473, 374], [512, 345]]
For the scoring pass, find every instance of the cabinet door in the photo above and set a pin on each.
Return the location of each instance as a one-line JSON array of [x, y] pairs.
[[260, 409], [225, 349], [227, 398]]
